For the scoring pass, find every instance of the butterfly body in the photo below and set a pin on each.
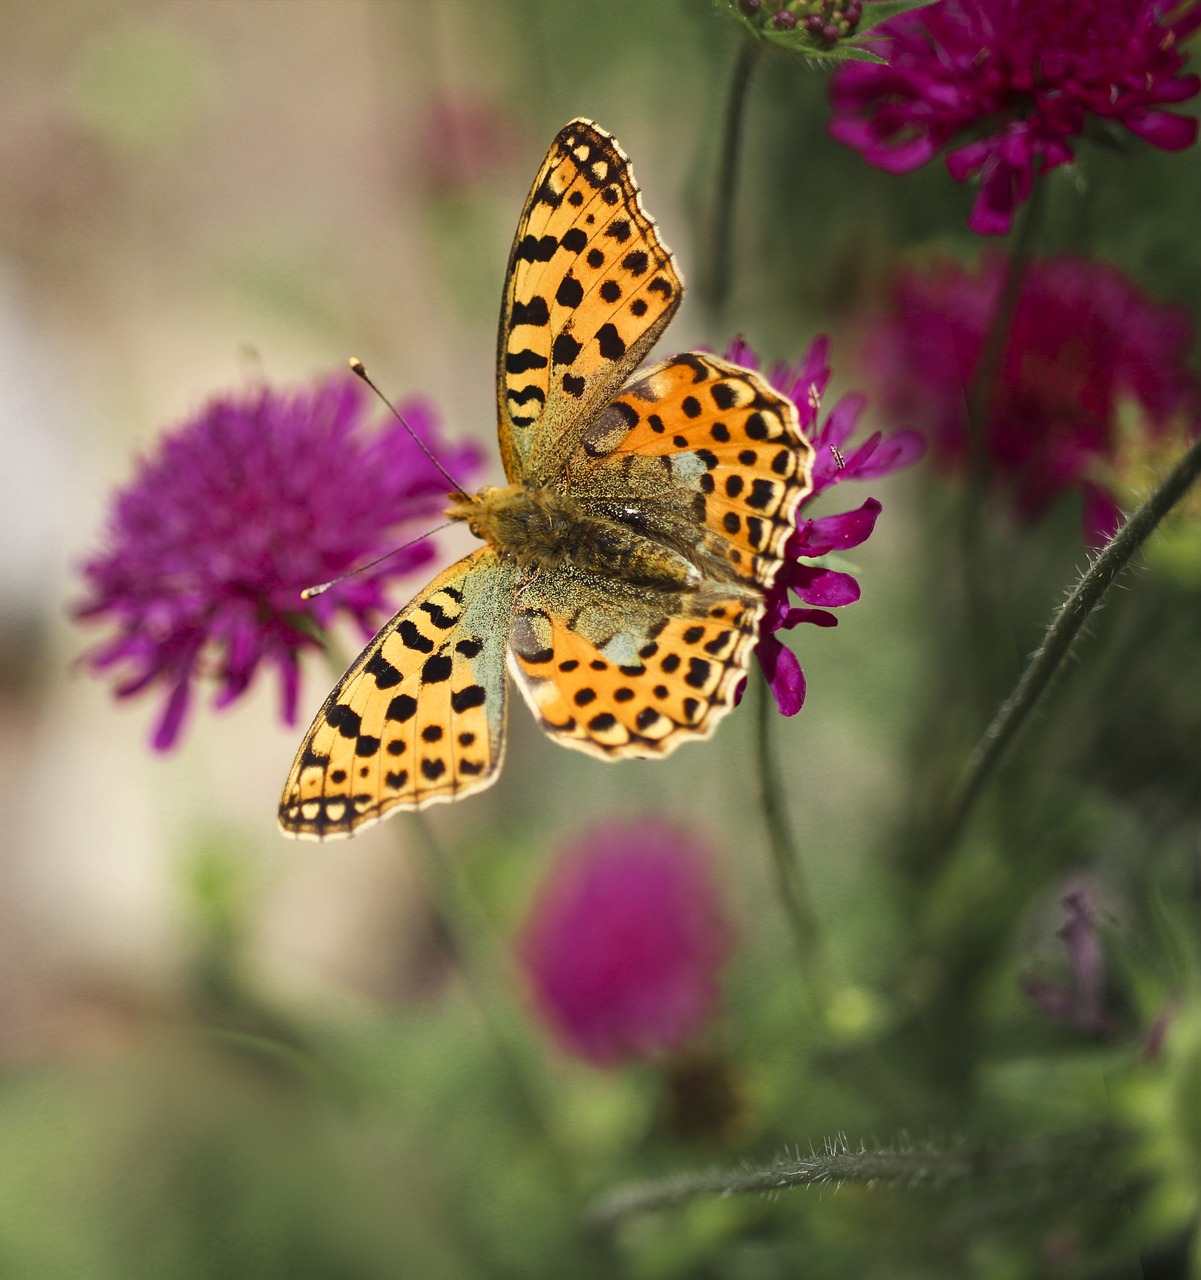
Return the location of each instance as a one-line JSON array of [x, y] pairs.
[[547, 530], [624, 566]]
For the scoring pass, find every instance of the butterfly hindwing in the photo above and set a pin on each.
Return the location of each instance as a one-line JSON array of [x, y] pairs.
[[419, 717], [710, 455], [622, 673], [588, 290]]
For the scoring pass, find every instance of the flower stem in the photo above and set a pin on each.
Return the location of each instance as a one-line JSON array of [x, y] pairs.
[[717, 288], [785, 854], [981, 395], [983, 385], [1077, 1155], [1065, 625]]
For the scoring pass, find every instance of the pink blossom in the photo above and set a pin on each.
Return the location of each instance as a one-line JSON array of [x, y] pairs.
[[1009, 85], [1083, 340], [810, 583], [625, 943], [262, 494]]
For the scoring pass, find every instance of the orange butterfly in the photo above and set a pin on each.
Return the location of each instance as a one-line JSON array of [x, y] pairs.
[[624, 566]]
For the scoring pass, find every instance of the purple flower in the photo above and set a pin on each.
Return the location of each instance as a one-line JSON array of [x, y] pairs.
[[1009, 83], [262, 494], [804, 383], [1081, 1003], [625, 943], [1084, 342]]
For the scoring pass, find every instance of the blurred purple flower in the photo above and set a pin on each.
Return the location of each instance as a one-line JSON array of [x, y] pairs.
[[1010, 83], [463, 139], [1081, 1003], [804, 382], [260, 495], [625, 943], [1083, 341]]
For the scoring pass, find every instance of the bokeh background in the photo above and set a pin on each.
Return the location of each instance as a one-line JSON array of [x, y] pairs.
[[225, 1054]]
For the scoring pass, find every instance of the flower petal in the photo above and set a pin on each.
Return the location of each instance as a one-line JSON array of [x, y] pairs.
[[784, 675]]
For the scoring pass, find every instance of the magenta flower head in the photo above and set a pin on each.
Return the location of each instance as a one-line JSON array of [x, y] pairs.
[[260, 495], [1085, 344], [801, 576], [625, 943], [1008, 85]]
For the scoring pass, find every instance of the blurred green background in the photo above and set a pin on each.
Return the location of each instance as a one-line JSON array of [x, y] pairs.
[[223, 1054]]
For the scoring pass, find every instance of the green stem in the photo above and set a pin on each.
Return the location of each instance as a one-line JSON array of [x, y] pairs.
[[717, 287], [984, 377], [1062, 631], [981, 394], [1078, 1156], [785, 855]]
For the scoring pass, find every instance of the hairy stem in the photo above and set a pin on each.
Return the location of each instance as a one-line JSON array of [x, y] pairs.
[[1062, 631], [717, 287], [1079, 1156]]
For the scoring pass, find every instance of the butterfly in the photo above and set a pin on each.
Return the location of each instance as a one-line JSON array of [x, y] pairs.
[[624, 566]]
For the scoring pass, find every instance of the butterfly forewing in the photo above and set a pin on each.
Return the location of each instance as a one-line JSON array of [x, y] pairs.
[[420, 716], [589, 289]]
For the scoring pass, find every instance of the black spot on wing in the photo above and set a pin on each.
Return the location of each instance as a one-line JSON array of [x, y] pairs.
[[474, 695], [565, 349], [412, 638], [401, 708], [570, 292], [611, 344], [534, 249], [386, 675], [523, 361], [534, 312], [345, 719], [437, 668]]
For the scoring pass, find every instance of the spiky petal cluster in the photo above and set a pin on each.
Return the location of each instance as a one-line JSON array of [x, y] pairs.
[[1084, 343], [261, 494], [1010, 85], [625, 943], [814, 585]]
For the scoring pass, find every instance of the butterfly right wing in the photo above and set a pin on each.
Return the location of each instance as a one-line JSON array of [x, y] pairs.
[[588, 290], [419, 717]]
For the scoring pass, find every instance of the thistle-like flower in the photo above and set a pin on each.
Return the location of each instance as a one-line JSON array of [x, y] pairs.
[[1009, 86], [260, 495], [1086, 348], [813, 584], [625, 943]]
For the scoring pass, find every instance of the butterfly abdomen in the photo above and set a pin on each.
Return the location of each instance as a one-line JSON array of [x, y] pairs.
[[543, 529]]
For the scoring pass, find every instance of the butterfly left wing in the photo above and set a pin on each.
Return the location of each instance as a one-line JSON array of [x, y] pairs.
[[620, 672], [419, 717], [588, 290]]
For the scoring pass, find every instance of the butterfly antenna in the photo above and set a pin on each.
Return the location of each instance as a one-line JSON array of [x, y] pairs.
[[309, 592], [359, 370]]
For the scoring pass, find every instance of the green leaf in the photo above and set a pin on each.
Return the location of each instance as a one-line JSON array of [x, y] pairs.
[[846, 51], [882, 10]]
